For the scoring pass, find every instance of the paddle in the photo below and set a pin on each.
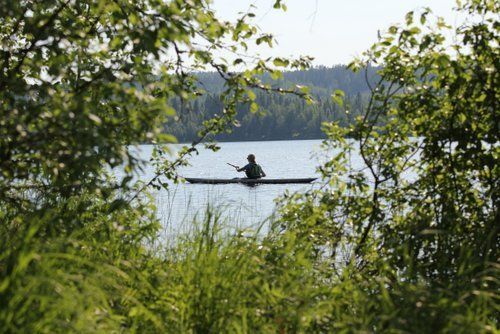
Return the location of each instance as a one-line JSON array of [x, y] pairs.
[[232, 165]]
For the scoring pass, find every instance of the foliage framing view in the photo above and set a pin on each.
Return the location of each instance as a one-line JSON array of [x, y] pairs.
[[373, 251]]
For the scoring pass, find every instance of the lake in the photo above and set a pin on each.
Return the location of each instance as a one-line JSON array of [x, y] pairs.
[[242, 206]]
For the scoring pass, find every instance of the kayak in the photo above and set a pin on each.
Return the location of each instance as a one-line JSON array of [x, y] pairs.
[[249, 181]]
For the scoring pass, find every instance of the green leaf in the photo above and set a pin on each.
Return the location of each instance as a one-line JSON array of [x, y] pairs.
[[254, 107], [94, 118], [338, 97], [409, 18], [280, 62], [251, 95]]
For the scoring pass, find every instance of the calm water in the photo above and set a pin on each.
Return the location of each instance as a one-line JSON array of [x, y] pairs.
[[242, 206]]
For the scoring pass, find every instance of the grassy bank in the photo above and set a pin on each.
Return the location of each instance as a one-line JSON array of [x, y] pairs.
[[100, 277]]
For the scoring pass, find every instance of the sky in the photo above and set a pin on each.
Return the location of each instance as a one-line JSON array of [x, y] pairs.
[[331, 31]]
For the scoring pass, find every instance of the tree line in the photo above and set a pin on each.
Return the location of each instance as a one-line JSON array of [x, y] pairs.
[[279, 116]]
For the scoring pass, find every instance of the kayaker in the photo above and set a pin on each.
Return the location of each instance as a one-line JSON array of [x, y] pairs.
[[252, 169]]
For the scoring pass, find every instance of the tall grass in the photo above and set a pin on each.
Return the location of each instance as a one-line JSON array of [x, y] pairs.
[[103, 278]]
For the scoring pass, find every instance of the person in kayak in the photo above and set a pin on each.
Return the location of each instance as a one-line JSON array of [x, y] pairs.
[[252, 169]]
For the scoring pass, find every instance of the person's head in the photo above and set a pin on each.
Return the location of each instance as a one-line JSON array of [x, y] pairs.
[[251, 158]]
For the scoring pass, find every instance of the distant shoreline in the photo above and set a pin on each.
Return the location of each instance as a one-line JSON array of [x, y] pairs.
[[237, 141]]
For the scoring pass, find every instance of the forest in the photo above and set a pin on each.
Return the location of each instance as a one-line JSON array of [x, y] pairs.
[[279, 116]]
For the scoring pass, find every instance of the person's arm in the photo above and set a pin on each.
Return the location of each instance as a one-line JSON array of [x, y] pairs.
[[262, 172], [242, 168]]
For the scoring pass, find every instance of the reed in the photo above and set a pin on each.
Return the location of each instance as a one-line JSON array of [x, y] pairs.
[[103, 277]]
